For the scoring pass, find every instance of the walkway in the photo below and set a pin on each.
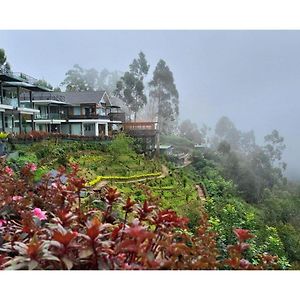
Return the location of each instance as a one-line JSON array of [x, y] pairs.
[[201, 193]]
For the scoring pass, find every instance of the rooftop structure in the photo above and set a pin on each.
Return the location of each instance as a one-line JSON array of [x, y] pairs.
[[14, 115]]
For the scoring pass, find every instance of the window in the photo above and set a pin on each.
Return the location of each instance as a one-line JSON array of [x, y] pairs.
[[87, 127]]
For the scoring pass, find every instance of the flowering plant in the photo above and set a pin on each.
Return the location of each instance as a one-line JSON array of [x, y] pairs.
[[48, 226]]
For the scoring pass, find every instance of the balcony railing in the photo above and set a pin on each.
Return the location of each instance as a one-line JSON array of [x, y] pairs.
[[91, 116], [5, 71], [140, 129], [43, 96], [14, 102], [59, 116], [10, 101], [26, 105], [117, 116], [55, 116], [20, 77], [25, 77]]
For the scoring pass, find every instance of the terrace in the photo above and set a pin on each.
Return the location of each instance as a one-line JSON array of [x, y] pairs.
[[18, 79], [140, 129]]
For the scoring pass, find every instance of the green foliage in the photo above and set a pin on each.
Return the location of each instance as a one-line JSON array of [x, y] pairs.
[[181, 144], [275, 221], [23, 158], [216, 185], [291, 241], [163, 91], [44, 83], [123, 178], [3, 135], [233, 213], [121, 146], [274, 145], [131, 86], [40, 172], [190, 131], [80, 79], [3, 61], [49, 227]]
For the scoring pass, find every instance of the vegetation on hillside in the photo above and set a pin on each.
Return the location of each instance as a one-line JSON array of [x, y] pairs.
[[224, 209], [47, 226], [246, 182]]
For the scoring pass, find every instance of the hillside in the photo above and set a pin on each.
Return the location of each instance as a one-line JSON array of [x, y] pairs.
[[189, 191]]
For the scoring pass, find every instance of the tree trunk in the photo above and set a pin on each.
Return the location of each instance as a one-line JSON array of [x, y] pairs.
[[158, 123], [157, 140]]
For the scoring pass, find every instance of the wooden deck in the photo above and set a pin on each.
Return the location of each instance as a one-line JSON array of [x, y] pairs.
[[140, 129]]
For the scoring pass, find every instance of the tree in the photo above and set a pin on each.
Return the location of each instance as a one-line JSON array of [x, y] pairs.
[[75, 80], [247, 142], [274, 146], [131, 86], [44, 83], [108, 80], [224, 147], [190, 131], [163, 90], [3, 61], [226, 131], [91, 78], [79, 79]]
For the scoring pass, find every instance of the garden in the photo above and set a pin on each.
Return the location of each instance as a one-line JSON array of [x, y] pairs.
[[94, 205], [46, 226]]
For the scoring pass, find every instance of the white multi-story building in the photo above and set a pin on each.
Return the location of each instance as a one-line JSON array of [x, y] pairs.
[[88, 113], [17, 117]]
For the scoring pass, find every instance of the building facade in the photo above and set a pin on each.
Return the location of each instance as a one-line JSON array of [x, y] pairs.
[[15, 116], [88, 113], [25, 106]]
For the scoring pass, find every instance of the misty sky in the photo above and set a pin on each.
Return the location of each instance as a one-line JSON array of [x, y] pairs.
[[253, 77]]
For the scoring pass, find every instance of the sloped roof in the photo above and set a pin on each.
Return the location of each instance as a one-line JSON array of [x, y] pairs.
[[72, 97], [81, 97], [118, 102]]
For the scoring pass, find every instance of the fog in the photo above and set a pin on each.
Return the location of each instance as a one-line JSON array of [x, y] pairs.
[[253, 77]]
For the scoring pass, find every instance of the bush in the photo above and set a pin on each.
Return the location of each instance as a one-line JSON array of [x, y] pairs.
[[121, 146], [45, 226]]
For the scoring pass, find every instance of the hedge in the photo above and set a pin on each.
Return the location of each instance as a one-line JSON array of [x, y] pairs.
[[132, 177]]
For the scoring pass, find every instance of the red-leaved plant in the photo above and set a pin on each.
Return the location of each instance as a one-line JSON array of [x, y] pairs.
[[47, 226]]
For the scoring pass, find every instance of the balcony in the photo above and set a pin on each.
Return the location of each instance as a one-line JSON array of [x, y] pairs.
[[140, 129], [43, 97], [117, 116], [51, 116], [26, 105], [87, 117], [10, 101]]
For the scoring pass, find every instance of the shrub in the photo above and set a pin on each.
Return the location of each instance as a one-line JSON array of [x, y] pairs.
[[3, 135], [120, 146], [123, 178], [45, 226]]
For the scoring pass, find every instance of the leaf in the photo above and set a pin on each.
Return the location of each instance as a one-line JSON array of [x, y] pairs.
[[68, 263], [51, 257], [85, 253], [20, 266], [32, 264]]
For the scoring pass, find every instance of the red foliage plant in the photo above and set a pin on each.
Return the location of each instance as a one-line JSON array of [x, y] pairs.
[[44, 226]]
